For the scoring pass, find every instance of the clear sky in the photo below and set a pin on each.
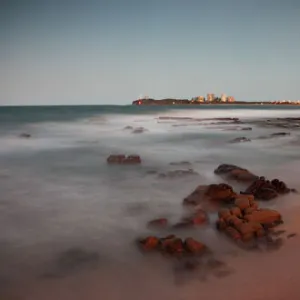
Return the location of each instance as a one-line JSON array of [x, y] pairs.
[[110, 52]]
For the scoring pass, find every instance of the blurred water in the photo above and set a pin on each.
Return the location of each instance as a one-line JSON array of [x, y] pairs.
[[57, 192]]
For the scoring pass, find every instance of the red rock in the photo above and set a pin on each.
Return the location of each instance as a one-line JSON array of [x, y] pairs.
[[220, 192], [116, 159], [150, 243], [224, 213], [133, 159], [242, 202], [221, 224], [172, 246], [264, 216], [193, 246], [162, 222], [122, 159], [233, 233]]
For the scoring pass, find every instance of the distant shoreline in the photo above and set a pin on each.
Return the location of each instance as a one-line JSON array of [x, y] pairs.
[[189, 102]]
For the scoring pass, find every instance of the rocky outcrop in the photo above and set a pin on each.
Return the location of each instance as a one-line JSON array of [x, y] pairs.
[[267, 190], [213, 192], [124, 160], [199, 217], [245, 221], [172, 246], [233, 172], [274, 135]]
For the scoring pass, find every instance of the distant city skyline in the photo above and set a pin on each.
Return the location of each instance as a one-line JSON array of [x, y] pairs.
[[110, 52]]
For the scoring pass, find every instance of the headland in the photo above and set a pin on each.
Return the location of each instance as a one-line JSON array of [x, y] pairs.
[[172, 101]]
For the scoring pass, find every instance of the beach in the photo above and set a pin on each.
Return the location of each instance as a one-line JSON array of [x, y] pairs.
[[58, 193]]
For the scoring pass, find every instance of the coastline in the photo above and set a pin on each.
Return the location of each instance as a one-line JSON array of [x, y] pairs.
[[170, 101]]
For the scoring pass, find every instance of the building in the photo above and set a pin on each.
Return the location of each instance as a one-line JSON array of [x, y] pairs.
[[223, 98], [230, 99], [210, 97], [200, 99]]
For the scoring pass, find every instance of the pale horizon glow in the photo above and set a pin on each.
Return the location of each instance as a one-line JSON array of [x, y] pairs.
[[110, 52]]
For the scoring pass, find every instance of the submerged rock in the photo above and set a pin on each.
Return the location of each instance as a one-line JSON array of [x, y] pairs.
[[123, 160], [25, 135], [233, 172], [240, 140], [178, 173]]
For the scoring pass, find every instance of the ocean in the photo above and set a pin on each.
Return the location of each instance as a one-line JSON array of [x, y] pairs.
[[59, 194]]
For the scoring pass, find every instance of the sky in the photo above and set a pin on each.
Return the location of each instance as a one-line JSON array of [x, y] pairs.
[[111, 52]]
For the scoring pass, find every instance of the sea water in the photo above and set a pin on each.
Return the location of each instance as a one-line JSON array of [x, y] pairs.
[[58, 193]]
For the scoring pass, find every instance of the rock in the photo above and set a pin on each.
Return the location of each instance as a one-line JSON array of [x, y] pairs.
[[264, 216], [266, 190], [250, 225], [128, 128], [246, 128], [25, 135], [178, 173], [274, 135], [213, 192], [162, 222], [193, 246], [240, 140], [220, 192], [150, 243], [233, 233], [232, 172], [173, 246], [180, 163], [123, 160], [139, 130], [242, 202], [198, 218], [224, 213], [236, 211]]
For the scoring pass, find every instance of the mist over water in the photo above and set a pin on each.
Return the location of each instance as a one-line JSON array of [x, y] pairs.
[[58, 193]]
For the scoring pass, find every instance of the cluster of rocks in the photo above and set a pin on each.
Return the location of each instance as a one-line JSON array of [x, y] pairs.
[[122, 159], [270, 136], [172, 245], [264, 189], [291, 123], [245, 221], [193, 219], [260, 187]]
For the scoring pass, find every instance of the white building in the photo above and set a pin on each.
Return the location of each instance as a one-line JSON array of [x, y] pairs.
[[223, 98]]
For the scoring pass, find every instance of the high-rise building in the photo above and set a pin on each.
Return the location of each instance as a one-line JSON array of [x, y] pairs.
[[200, 99], [230, 99], [210, 97], [223, 98]]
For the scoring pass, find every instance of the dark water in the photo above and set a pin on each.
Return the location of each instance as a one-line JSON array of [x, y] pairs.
[[58, 193]]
